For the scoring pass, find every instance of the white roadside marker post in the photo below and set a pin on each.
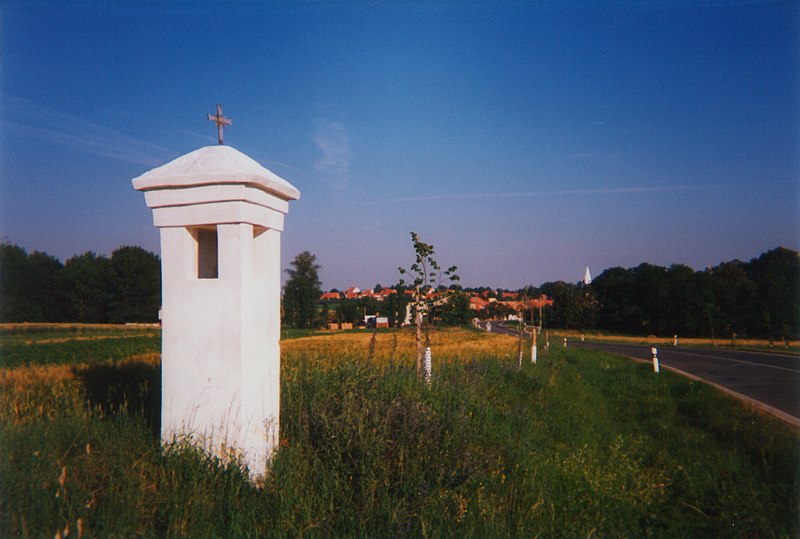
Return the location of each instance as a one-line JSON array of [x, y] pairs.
[[654, 350], [533, 345], [675, 342]]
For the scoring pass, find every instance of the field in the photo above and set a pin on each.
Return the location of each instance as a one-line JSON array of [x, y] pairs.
[[48, 344], [761, 345], [582, 444]]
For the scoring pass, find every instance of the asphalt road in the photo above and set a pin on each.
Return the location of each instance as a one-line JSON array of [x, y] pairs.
[[771, 379]]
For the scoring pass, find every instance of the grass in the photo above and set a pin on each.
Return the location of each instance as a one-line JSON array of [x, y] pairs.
[[28, 333], [762, 345], [581, 444], [51, 344]]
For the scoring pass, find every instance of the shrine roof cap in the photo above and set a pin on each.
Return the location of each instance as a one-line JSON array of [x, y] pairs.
[[215, 165]]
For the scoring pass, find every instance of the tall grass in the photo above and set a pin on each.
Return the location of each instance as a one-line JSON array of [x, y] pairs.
[[581, 444]]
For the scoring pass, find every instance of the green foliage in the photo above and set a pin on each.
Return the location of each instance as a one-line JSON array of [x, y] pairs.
[[425, 271], [760, 298], [30, 286], [13, 354], [88, 288], [776, 275], [395, 306], [347, 311], [573, 306], [301, 292], [135, 286], [428, 278], [457, 311]]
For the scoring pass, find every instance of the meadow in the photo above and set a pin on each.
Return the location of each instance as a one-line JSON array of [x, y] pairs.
[[50, 344], [582, 444]]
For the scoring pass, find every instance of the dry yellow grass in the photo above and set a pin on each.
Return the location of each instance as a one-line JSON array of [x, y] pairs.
[[17, 326], [29, 393], [398, 346], [38, 392], [43, 392]]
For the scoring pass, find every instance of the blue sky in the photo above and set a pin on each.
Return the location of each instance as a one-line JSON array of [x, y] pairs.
[[525, 140]]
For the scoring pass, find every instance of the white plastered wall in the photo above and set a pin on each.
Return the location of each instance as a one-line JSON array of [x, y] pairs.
[[221, 343], [221, 336]]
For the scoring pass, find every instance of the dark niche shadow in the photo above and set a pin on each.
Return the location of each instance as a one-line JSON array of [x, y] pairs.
[[132, 388]]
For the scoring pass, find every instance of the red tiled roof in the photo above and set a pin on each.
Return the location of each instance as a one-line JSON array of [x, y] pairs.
[[477, 304]]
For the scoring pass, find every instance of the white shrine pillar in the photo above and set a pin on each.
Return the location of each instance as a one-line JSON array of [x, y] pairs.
[[220, 215]]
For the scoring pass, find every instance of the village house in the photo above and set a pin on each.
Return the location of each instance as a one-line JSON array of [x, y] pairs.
[[352, 293], [477, 303], [385, 293], [508, 302]]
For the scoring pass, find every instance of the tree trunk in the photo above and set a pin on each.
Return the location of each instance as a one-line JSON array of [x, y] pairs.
[[419, 343]]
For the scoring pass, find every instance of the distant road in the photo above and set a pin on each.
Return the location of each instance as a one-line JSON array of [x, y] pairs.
[[767, 378], [498, 328]]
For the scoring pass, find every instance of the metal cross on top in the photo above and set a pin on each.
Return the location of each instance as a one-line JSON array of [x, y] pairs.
[[220, 120]]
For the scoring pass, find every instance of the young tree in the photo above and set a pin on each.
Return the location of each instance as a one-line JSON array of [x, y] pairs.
[[302, 291], [427, 275]]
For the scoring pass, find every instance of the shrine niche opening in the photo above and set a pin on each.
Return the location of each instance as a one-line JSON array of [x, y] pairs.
[[207, 252]]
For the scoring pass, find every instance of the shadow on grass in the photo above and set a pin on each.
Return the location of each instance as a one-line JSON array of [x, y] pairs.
[[132, 387]]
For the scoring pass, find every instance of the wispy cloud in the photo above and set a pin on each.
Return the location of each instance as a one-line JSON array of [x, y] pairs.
[[556, 193], [34, 121], [334, 162]]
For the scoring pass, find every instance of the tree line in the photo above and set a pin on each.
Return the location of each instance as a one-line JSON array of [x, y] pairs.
[[758, 299], [87, 288]]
